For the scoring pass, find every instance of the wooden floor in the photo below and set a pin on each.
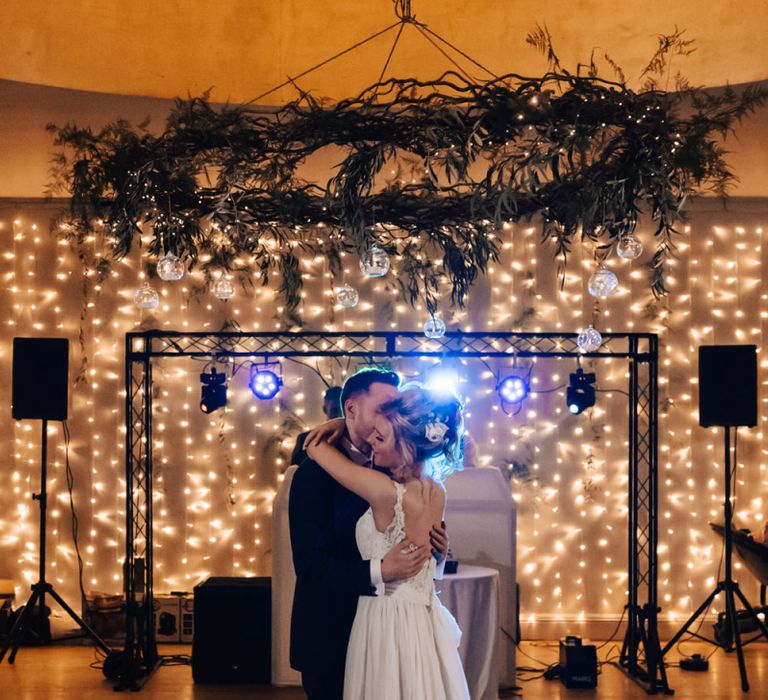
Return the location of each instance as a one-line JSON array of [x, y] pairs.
[[64, 672]]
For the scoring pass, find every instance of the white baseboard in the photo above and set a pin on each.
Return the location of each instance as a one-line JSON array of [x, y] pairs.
[[600, 628]]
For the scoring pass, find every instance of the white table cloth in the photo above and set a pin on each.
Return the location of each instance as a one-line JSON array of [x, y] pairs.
[[472, 595]]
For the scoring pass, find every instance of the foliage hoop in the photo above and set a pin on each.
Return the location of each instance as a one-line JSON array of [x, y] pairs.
[[428, 171]]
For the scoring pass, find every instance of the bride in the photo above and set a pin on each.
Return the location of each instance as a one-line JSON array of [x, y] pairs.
[[403, 645]]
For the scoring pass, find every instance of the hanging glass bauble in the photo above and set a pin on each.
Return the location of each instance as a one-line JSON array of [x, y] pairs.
[[603, 283], [347, 296], [146, 297], [434, 327], [589, 339], [375, 263], [223, 289], [170, 268], [629, 247]]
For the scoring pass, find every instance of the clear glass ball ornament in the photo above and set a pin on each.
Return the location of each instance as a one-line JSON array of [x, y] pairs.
[[603, 283], [434, 327], [589, 339], [629, 247], [223, 289], [347, 296], [375, 263], [146, 297], [170, 268]]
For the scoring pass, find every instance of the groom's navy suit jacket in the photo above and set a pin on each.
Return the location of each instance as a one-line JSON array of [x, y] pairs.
[[330, 573]]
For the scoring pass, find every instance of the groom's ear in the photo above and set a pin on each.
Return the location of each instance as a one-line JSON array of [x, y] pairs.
[[350, 408]]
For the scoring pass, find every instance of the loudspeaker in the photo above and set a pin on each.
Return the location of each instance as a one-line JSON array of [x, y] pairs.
[[728, 385], [40, 378], [233, 631]]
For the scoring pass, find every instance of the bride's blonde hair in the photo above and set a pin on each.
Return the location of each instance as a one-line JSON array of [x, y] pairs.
[[424, 426]]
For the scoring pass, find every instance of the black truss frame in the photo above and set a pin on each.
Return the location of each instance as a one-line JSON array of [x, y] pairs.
[[640, 656]]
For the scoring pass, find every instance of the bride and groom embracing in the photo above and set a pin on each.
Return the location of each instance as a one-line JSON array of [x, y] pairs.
[[366, 534]]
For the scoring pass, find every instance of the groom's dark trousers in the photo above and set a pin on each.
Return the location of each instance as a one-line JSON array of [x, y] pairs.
[[330, 576]]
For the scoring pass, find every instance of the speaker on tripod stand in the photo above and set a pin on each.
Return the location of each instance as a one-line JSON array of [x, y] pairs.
[[40, 380], [727, 399]]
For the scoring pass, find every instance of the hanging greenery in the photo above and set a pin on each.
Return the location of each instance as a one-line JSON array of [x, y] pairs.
[[428, 171]]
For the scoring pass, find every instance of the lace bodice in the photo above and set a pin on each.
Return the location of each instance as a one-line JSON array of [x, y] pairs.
[[374, 545]]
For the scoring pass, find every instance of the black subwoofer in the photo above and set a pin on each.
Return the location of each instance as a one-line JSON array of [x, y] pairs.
[[233, 631], [728, 385], [40, 378]]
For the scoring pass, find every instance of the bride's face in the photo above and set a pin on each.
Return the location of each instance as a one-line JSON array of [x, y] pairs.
[[382, 441]]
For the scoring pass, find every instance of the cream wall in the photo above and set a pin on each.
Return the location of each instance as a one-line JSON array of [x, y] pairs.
[[25, 146], [243, 48]]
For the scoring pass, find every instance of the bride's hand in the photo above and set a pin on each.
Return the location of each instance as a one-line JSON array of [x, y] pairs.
[[330, 431], [321, 451], [312, 450]]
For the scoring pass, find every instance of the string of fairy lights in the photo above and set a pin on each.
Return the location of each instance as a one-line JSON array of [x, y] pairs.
[[218, 474]]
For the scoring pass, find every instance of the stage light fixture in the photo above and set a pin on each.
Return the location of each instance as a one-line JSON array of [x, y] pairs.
[[580, 395], [266, 380], [214, 391], [513, 389]]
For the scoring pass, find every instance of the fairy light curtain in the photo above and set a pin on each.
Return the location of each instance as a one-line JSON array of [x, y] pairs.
[[217, 474]]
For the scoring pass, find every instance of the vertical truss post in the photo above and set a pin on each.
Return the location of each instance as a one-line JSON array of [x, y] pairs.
[[629, 649], [641, 651], [140, 652]]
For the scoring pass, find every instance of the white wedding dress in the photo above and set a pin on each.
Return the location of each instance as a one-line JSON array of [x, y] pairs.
[[404, 644]]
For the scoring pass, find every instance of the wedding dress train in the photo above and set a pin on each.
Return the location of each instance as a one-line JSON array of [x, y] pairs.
[[404, 644]]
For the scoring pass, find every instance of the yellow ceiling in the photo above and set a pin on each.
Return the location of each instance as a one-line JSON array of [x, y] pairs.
[[242, 48]]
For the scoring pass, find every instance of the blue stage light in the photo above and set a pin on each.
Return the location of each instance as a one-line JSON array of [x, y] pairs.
[[513, 389], [264, 382]]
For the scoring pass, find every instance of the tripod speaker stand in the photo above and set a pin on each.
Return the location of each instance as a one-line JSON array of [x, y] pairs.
[[40, 391], [727, 398]]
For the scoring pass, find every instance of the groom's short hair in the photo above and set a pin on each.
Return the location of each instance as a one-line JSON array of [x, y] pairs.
[[361, 381]]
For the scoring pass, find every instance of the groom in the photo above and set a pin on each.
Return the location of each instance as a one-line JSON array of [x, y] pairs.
[[330, 574]]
